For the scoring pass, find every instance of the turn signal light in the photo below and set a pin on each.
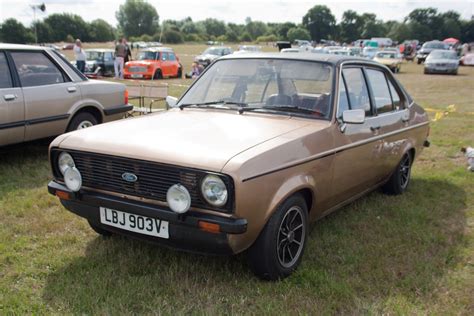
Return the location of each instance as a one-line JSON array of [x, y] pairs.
[[62, 195], [209, 227], [125, 95]]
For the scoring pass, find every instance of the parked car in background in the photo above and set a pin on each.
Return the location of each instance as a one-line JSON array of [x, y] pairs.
[[100, 62], [234, 167], [212, 53], [369, 52], [442, 61], [354, 51], [467, 60], [389, 59], [319, 50], [427, 48], [382, 41], [290, 50], [154, 63], [67, 47], [342, 52], [248, 49], [43, 95]]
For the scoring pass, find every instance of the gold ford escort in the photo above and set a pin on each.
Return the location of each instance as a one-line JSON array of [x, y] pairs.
[[257, 148]]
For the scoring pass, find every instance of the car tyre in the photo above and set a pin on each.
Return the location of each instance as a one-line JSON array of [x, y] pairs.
[[157, 74], [82, 120], [278, 250], [100, 231], [418, 61], [400, 179]]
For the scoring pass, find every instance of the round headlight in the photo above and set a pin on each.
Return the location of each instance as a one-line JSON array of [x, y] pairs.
[[73, 179], [65, 161], [214, 190], [179, 199]]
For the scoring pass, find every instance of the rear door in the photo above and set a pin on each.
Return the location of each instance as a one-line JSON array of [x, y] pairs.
[[12, 107], [357, 163], [48, 93]]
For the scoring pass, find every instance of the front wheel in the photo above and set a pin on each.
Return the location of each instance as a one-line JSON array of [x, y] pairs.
[[82, 120], [278, 250], [398, 182]]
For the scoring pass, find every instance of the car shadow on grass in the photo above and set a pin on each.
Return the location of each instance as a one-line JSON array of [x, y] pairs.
[[377, 248]]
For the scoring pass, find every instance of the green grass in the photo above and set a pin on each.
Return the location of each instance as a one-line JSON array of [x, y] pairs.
[[409, 254]]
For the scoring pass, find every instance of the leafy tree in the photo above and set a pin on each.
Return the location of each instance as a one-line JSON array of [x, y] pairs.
[[65, 24], [320, 22], [43, 31], [298, 33], [371, 26], [13, 31], [467, 31], [255, 28], [267, 38], [351, 26], [172, 37], [282, 30], [245, 37], [101, 31], [137, 17], [214, 27]]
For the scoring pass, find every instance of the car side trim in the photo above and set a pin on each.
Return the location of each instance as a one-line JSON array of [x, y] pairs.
[[118, 109], [336, 150], [35, 121]]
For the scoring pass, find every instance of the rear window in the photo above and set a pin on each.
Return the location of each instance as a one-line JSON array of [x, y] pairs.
[[35, 69]]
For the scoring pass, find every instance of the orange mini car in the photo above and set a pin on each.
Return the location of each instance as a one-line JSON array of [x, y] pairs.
[[154, 63]]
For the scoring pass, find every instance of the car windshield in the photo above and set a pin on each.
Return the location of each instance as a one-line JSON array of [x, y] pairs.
[[434, 45], [94, 55], [213, 51], [147, 55], [267, 85], [444, 54], [386, 55]]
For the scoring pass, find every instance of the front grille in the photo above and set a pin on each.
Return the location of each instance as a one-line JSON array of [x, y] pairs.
[[441, 65], [137, 69], [104, 172]]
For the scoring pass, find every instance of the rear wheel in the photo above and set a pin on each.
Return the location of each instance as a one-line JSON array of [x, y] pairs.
[[81, 121], [278, 250], [400, 179], [158, 74]]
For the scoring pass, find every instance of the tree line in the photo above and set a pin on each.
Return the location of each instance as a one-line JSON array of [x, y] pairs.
[[139, 20]]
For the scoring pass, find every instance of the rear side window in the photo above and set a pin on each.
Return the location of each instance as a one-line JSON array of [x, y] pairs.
[[395, 97], [380, 91], [5, 76], [164, 56], [357, 89], [35, 69], [171, 57]]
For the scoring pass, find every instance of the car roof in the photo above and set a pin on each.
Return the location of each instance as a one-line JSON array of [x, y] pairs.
[[157, 49], [22, 47], [304, 56], [219, 47], [102, 50]]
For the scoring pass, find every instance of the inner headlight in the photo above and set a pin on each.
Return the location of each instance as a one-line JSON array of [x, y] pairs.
[[73, 179], [178, 198], [214, 190], [65, 161]]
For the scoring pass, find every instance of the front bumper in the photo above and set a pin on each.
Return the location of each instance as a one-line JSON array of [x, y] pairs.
[[184, 230], [440, 70]]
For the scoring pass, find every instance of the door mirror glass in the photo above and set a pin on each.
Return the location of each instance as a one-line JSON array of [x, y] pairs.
[[171, 101], [353, 116]]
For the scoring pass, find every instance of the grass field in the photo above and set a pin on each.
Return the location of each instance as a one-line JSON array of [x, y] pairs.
[[409, 254]]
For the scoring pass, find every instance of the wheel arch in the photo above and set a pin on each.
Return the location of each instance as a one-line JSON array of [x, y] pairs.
[[87, 109]]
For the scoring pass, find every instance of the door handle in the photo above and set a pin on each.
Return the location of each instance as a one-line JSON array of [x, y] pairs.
[[10, 97], [71, 89], [375, 128]]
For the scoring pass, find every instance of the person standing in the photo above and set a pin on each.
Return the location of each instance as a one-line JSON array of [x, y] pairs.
[[120, 53], [80, 56], [128, 55]]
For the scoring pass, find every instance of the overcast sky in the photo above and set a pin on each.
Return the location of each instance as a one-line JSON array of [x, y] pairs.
[[229, 11]]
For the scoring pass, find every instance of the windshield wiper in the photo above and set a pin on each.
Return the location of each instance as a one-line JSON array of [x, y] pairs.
[[204, 104], [293, 109]]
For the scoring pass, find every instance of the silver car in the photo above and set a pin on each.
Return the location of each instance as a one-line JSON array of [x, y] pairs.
[[442, 61], [43, 95]]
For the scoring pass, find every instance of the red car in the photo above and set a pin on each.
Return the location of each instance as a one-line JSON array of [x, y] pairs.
[[154, 63]]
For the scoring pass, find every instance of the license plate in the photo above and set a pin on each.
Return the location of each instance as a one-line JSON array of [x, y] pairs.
[[134, 223], [136, 75]]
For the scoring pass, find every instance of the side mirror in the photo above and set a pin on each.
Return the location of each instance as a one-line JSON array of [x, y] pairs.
[[171, 102], [353, 116]]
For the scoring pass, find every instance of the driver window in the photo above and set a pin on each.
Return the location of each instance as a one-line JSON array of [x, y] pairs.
[[357, 89]]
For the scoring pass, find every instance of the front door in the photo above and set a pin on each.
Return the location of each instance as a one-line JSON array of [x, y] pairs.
[[12, 107], [48, 92]]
